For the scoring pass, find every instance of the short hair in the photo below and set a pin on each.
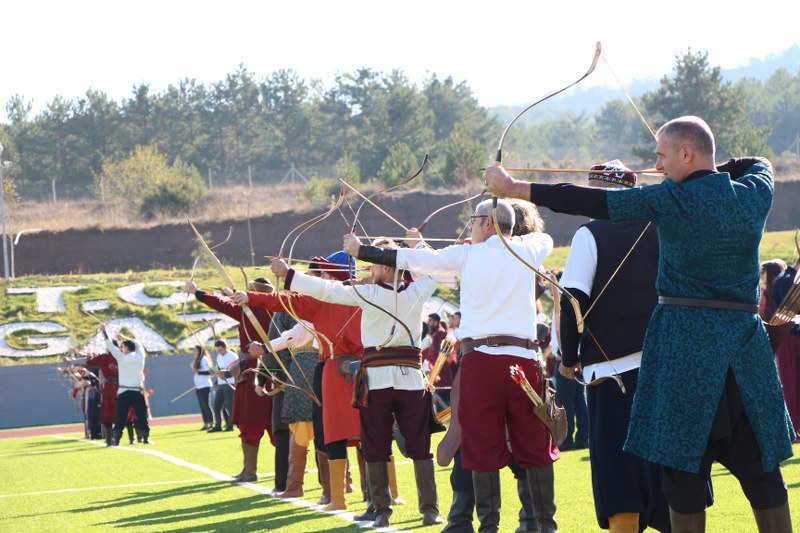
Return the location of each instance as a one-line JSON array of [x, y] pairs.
[[220, 344], [526, 218], [129, 344], [505, 214], [435, 316], [692, 130]]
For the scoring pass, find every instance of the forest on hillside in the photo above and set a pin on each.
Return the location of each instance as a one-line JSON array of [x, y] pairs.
[[369, 126]]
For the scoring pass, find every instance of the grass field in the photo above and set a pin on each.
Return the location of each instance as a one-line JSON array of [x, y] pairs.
[[63, 483]]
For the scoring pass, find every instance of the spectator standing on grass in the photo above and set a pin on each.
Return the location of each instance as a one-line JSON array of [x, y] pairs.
[[130, 356], [710, 220], [201, 373], [226, 386]]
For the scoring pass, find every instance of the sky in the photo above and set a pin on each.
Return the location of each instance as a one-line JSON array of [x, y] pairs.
[[507, 52]]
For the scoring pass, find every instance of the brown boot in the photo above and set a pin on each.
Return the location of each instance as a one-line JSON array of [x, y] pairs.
[[687, 523], [338, 468], [775, 520], [249, 475], [426, 492], [396, 499], [297, 471], [238, 477], [348, 480], [324, 477], [378, 479]]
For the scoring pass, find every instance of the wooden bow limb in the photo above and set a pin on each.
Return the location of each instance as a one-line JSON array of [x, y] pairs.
[[373, 204], [429, 217], [245, 309], [181, 395]]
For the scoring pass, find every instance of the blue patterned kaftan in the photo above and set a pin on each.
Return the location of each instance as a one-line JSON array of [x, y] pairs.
[[709, 230]]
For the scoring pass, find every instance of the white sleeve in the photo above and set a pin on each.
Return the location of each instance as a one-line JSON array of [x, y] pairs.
[[581, 264], [113, 350], [539, 244], [326, 291], [445, 261], [294, 338]]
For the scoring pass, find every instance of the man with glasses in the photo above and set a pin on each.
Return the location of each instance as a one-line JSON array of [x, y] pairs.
[[616, 306], [498, 330]]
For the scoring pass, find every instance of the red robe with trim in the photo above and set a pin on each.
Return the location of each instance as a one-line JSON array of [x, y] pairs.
[[342, 325], [108, 399]]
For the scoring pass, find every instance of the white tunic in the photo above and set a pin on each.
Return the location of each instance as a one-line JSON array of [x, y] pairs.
[[497, 291], [131, 366], [375, 324]]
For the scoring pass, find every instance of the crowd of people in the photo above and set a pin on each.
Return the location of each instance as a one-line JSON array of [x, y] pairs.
[[660, 275]]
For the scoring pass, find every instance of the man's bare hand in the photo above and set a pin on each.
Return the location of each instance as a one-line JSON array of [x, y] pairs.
[[240, 298], [279, 268], [498, 181], [350, 244], [228, 293], [413, 237], [190, 287], [256, 349]]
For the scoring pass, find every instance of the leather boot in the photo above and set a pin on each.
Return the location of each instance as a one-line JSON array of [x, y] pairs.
[[487, 499], [108, 434], [366, 516], [297, 470], [281, 461], [687, 523], [362, 475], [324, 476], [396, 499], [541, 483], [527, 517], [459, 520], [130, 434], [338, 468], [348, 480], [117, 436], [249, 474], [623, 523], [775, 520], [238, 477], [378, 480], [426, 492]]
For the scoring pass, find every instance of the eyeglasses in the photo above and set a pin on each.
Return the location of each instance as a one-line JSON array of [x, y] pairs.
[[473, 217]]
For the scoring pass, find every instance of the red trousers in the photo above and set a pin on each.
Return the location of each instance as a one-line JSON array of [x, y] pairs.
[[251, 432], [491, 403]]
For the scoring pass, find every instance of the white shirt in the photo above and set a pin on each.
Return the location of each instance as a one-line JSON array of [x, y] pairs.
[[225, 361], [579, 273], [130, 366], [202, 381], [375, 324], [297, 337], [497, 291]]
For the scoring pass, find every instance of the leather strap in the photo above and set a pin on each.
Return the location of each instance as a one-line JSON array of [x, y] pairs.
[[710, 304], [469, 344]]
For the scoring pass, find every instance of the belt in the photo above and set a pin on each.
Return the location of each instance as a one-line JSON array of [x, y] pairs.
[[469, 344], [203, 373], [711, 304]]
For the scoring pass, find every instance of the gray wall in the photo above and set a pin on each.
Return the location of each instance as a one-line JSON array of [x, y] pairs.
[[35, 395]]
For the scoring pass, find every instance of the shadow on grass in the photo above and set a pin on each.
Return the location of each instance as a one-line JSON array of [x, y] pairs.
[[264, 513]]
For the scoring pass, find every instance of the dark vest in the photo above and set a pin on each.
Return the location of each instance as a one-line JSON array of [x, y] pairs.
[[619, 318]]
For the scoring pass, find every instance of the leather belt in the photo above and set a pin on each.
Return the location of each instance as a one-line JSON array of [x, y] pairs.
[[469, 344], [710, 304]]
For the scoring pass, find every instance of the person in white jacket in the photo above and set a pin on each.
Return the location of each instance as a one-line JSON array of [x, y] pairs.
[[130, 357]]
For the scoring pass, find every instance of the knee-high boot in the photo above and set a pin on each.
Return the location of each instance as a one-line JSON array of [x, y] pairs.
[[426, 491], [541, 483], [527, 517], [381, 499], [487, 499], [687, 523], [324, 476], [775, 520], [459, 519], [109, 434], [337, 470], [362, 474], [297, 470], [249, 474], [281, 461]]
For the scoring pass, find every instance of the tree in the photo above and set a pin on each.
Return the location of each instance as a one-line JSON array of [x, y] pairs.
[[398, 165], [145, 181], [697, 89], [464, 156]]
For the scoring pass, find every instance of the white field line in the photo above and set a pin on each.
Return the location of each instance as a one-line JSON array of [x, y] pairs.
[[299, 502], [22, 454]]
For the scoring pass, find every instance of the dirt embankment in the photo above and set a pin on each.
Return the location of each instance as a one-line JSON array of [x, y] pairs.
[[172, 246]]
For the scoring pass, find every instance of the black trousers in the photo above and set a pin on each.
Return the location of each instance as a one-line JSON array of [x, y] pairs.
[[733, 444], [125, 400]]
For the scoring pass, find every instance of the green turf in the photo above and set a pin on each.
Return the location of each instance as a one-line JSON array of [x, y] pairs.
[[64, 484]]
